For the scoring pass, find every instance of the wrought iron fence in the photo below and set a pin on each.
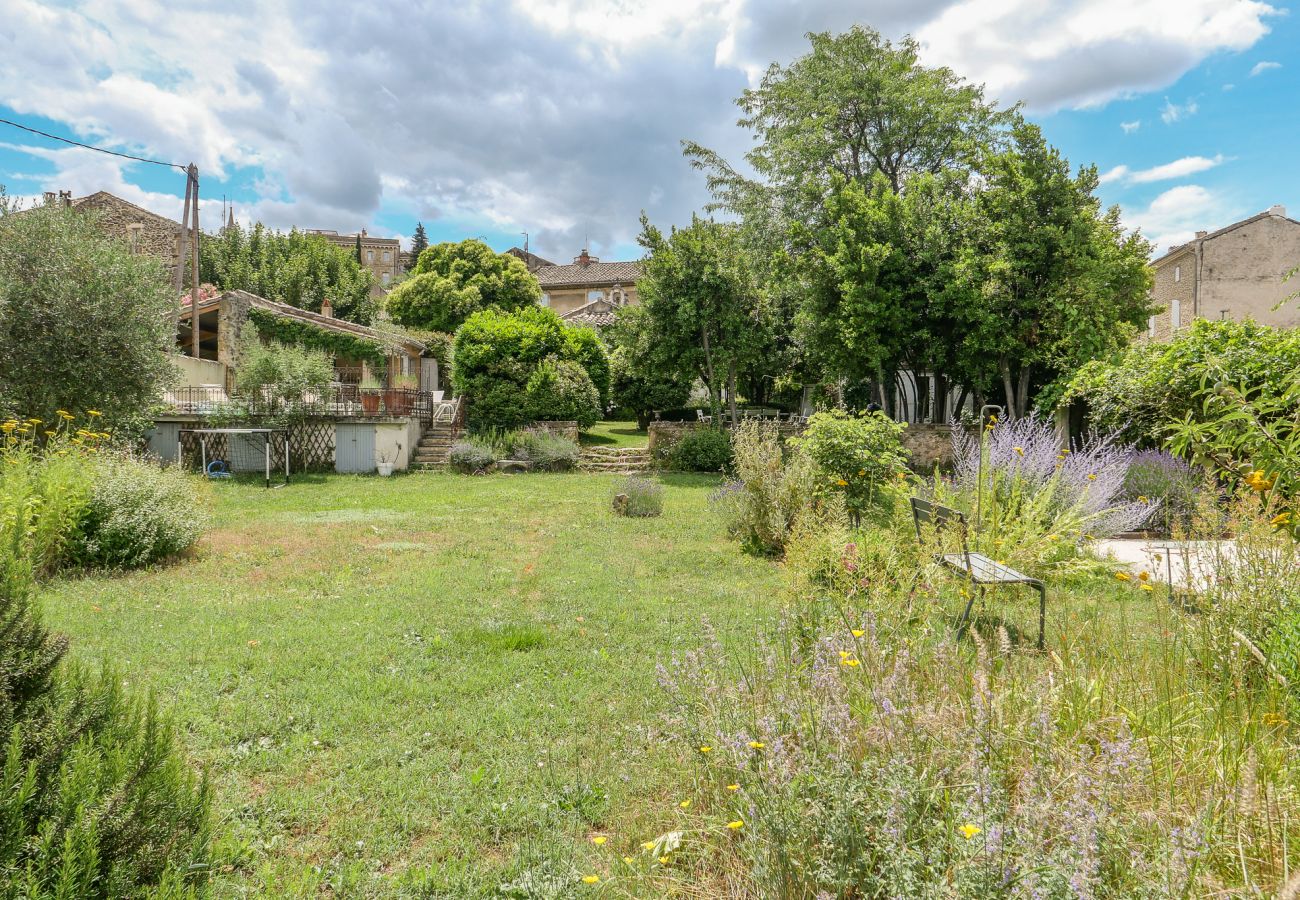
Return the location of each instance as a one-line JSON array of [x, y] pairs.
[[340, 401]]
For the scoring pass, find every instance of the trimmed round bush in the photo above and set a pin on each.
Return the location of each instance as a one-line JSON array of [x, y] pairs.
[[137, 514], [562, 391], [701, 450]]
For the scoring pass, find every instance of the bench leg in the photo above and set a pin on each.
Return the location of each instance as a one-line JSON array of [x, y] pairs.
[[1042, 612]]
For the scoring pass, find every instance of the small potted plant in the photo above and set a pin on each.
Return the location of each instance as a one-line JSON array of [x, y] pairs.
[[370, 395], [399, 397], [384, 465]]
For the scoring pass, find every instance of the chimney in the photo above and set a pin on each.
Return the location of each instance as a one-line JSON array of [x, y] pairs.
[[65, 198], [1277, 209], [584, 258], [1201, 234], [327, 308], [49, 196]]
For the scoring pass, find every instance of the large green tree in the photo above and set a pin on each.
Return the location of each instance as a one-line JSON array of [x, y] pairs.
[[84, 323], [452, 281], [297, 268], [642, 380], [703, 303]]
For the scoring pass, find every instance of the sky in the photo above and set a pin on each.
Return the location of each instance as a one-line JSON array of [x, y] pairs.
[[564, 118]]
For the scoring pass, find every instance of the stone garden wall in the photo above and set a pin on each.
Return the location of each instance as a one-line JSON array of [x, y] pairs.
[[559, 429]]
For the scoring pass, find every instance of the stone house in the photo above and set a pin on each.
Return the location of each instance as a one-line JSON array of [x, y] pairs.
[[1237, 272], [146, 232], [588, 285], [382, 256]]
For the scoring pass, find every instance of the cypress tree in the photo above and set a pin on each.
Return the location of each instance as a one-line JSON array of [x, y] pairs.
[[419, 241]]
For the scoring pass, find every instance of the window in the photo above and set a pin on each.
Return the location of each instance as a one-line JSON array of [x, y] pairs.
[[388, 256], [384, 278], [546, 299], [370, 256], [1178, 274], [1175, 316], [595, 295]]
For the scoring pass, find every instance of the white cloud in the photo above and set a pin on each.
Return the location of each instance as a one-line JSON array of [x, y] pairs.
[[1176, 215], [1119, 173], [1261, 67], [559, 117], [1173, 112], [1179, 168], [1130, 127]]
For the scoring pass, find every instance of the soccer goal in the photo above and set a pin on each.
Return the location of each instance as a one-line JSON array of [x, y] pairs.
[[224, 452]]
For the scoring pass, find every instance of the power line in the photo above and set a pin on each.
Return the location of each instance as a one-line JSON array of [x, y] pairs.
[[55, 137]]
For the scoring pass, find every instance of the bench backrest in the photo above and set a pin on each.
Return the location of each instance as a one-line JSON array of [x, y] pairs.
[[942, 517]]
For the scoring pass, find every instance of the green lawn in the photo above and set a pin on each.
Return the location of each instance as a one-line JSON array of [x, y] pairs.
[[425, 685], [614, 434]]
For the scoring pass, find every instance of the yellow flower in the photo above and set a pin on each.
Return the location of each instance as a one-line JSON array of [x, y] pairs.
[[599, 840], [93, 412], [1020, 451], [8, 427], [970, 830], [33, 421], [993, 418], [844, 654], [1052, 537], [685, 804], [851, 663], [590, 879], [1147, 587], [1144, 576], [663, 860], [842, 483], [1273, 718], [736, 825], [1123, 576], [705, 748], [628, 860], [1142, 498], [756, 745], [857, 632], [733, 787], [1259, 481], [1065, 450], [1092, 477], [861, 472], [648, 845], [254, 642], [1282, 518], [64, 413]]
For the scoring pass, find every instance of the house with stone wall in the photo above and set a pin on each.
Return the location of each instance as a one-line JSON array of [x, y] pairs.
[[145, 231]]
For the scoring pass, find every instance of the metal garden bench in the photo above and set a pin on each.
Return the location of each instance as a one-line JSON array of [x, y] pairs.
[[978, 568]]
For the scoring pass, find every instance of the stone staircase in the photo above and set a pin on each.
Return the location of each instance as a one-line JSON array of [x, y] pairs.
[[434, 449], [623, 460]]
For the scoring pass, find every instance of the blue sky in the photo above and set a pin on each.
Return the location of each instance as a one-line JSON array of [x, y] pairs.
[[563, 117]]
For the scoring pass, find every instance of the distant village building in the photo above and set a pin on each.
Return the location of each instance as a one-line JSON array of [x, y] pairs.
[[146, 232], [531, 260], [586, 291], [382, 256], [1237, 272]]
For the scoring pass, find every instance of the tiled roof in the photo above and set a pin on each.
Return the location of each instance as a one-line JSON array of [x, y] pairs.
[[596, 314], [1175, 250], [625, 273], [531, 260]]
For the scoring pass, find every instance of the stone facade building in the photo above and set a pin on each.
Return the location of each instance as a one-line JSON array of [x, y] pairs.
[[145, 231], [382, 256], [1237, 272], [588, 286]]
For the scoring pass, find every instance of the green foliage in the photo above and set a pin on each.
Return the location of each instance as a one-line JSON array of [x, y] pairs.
[[297, 268], [639, 383], [84, 322], [303, 334], [857, 455], [43, 495], [643, 498], [497, 354], [450, 282], [587, 349], [773, 487], [279, 380], [1139, 393], [547, 452], [562, 391], [472, 456], [419, 243], [137, 514], [699, 450]]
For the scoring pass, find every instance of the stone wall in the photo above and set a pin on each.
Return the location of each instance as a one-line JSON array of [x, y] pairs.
[[928, 446], [559, 429], [147, 233]]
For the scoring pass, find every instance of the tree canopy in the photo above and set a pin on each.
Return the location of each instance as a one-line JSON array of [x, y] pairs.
[[296, 268], [452, 281]]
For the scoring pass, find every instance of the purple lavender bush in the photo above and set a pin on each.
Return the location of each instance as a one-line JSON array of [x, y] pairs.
[[1159, 477]]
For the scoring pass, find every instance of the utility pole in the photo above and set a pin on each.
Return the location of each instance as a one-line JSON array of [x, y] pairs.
[[193, 173]]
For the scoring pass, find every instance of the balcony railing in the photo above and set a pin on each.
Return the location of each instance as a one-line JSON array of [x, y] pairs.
[[339, 401]]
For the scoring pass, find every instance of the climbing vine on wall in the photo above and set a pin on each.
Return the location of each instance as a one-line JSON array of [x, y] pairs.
[[287, 331]]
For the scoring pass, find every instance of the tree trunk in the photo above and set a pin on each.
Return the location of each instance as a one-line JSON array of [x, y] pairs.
[[731, 392], [1022, 395], [1010, 392], [715, 402]]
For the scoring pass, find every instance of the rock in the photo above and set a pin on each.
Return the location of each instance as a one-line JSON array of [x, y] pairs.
[[620, 504], [512, 465]]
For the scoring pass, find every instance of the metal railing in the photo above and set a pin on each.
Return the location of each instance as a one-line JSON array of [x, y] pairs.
[[339, 401]]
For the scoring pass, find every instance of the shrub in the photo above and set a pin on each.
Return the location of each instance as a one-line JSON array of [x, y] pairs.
[[771, 490], [277, 382], [137, 514], [472, 456], [640, 393], [496, 355], [1159, 477], [585, 348], [700, 450], [856, 455], [84, 322], [547, 452], [639, 498], [562, 391], [452, 281]]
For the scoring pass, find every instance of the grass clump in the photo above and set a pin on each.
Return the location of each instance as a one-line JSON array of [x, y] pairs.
[[639, 498]]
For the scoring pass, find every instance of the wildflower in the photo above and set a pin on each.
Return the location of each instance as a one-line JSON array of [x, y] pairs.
[[1273, 718], [857, 632], [685, 804], [844, 654], [33, 421], [1123, 576], [254, 642], [1282, 518], [648, 845], [8, 427], [851, 663], [1020, 451], [49, 433], [1092, 476], [628, 860], [1052, 537], [1065, 450], [1148, 588], [733, 787], [736, 825], [842, 483], [599, 840], [663, 860], [1259, 481], [590, 879], [756, 745], [705, 748], [993, 419], [64, 413], [970, 830], [1144, 576], [861, 472], [1142, 498], [94, 412]]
